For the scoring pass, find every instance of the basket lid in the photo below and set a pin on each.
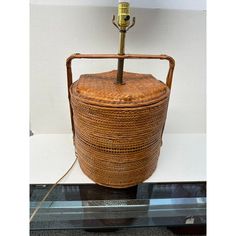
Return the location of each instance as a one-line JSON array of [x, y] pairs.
[[101, 89]]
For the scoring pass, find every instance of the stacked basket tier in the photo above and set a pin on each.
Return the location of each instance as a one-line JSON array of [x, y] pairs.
[[118, 128]]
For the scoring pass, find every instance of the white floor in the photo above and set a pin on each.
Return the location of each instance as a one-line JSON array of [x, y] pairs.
[[182, 158]]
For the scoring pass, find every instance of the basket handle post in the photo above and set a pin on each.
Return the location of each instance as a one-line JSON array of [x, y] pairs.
[[114, 56]]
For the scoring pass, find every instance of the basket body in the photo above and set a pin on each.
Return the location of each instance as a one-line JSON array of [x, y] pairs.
[[118, 128]]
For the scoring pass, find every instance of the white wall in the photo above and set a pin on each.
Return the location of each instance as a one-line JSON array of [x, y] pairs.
[[58, 31], [161, 4]]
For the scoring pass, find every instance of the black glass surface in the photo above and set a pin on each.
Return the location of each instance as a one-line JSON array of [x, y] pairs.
[[90, 206]]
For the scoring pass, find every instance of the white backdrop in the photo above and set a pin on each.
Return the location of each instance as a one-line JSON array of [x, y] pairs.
[[162, 4], [58, 31]]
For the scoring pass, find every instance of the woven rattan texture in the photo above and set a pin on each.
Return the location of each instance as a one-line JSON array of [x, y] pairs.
[[100, 89], [118, 140]]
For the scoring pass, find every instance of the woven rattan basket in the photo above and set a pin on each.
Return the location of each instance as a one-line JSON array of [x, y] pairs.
[[118, 128]]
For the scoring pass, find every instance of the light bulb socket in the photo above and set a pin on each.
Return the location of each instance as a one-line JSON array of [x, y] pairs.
[[123, 14]]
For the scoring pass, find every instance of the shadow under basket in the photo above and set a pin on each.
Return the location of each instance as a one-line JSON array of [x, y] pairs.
[[118, 128]]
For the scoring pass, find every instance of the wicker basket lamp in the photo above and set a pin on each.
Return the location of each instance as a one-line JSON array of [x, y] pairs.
[[117, 120]]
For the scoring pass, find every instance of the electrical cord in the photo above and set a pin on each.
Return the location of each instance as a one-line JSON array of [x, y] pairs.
[[49, 191]]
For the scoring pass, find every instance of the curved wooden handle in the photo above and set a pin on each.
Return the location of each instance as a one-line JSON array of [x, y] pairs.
[[115, 56]]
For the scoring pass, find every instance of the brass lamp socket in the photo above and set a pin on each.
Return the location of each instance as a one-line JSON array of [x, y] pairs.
[[123, 14]]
